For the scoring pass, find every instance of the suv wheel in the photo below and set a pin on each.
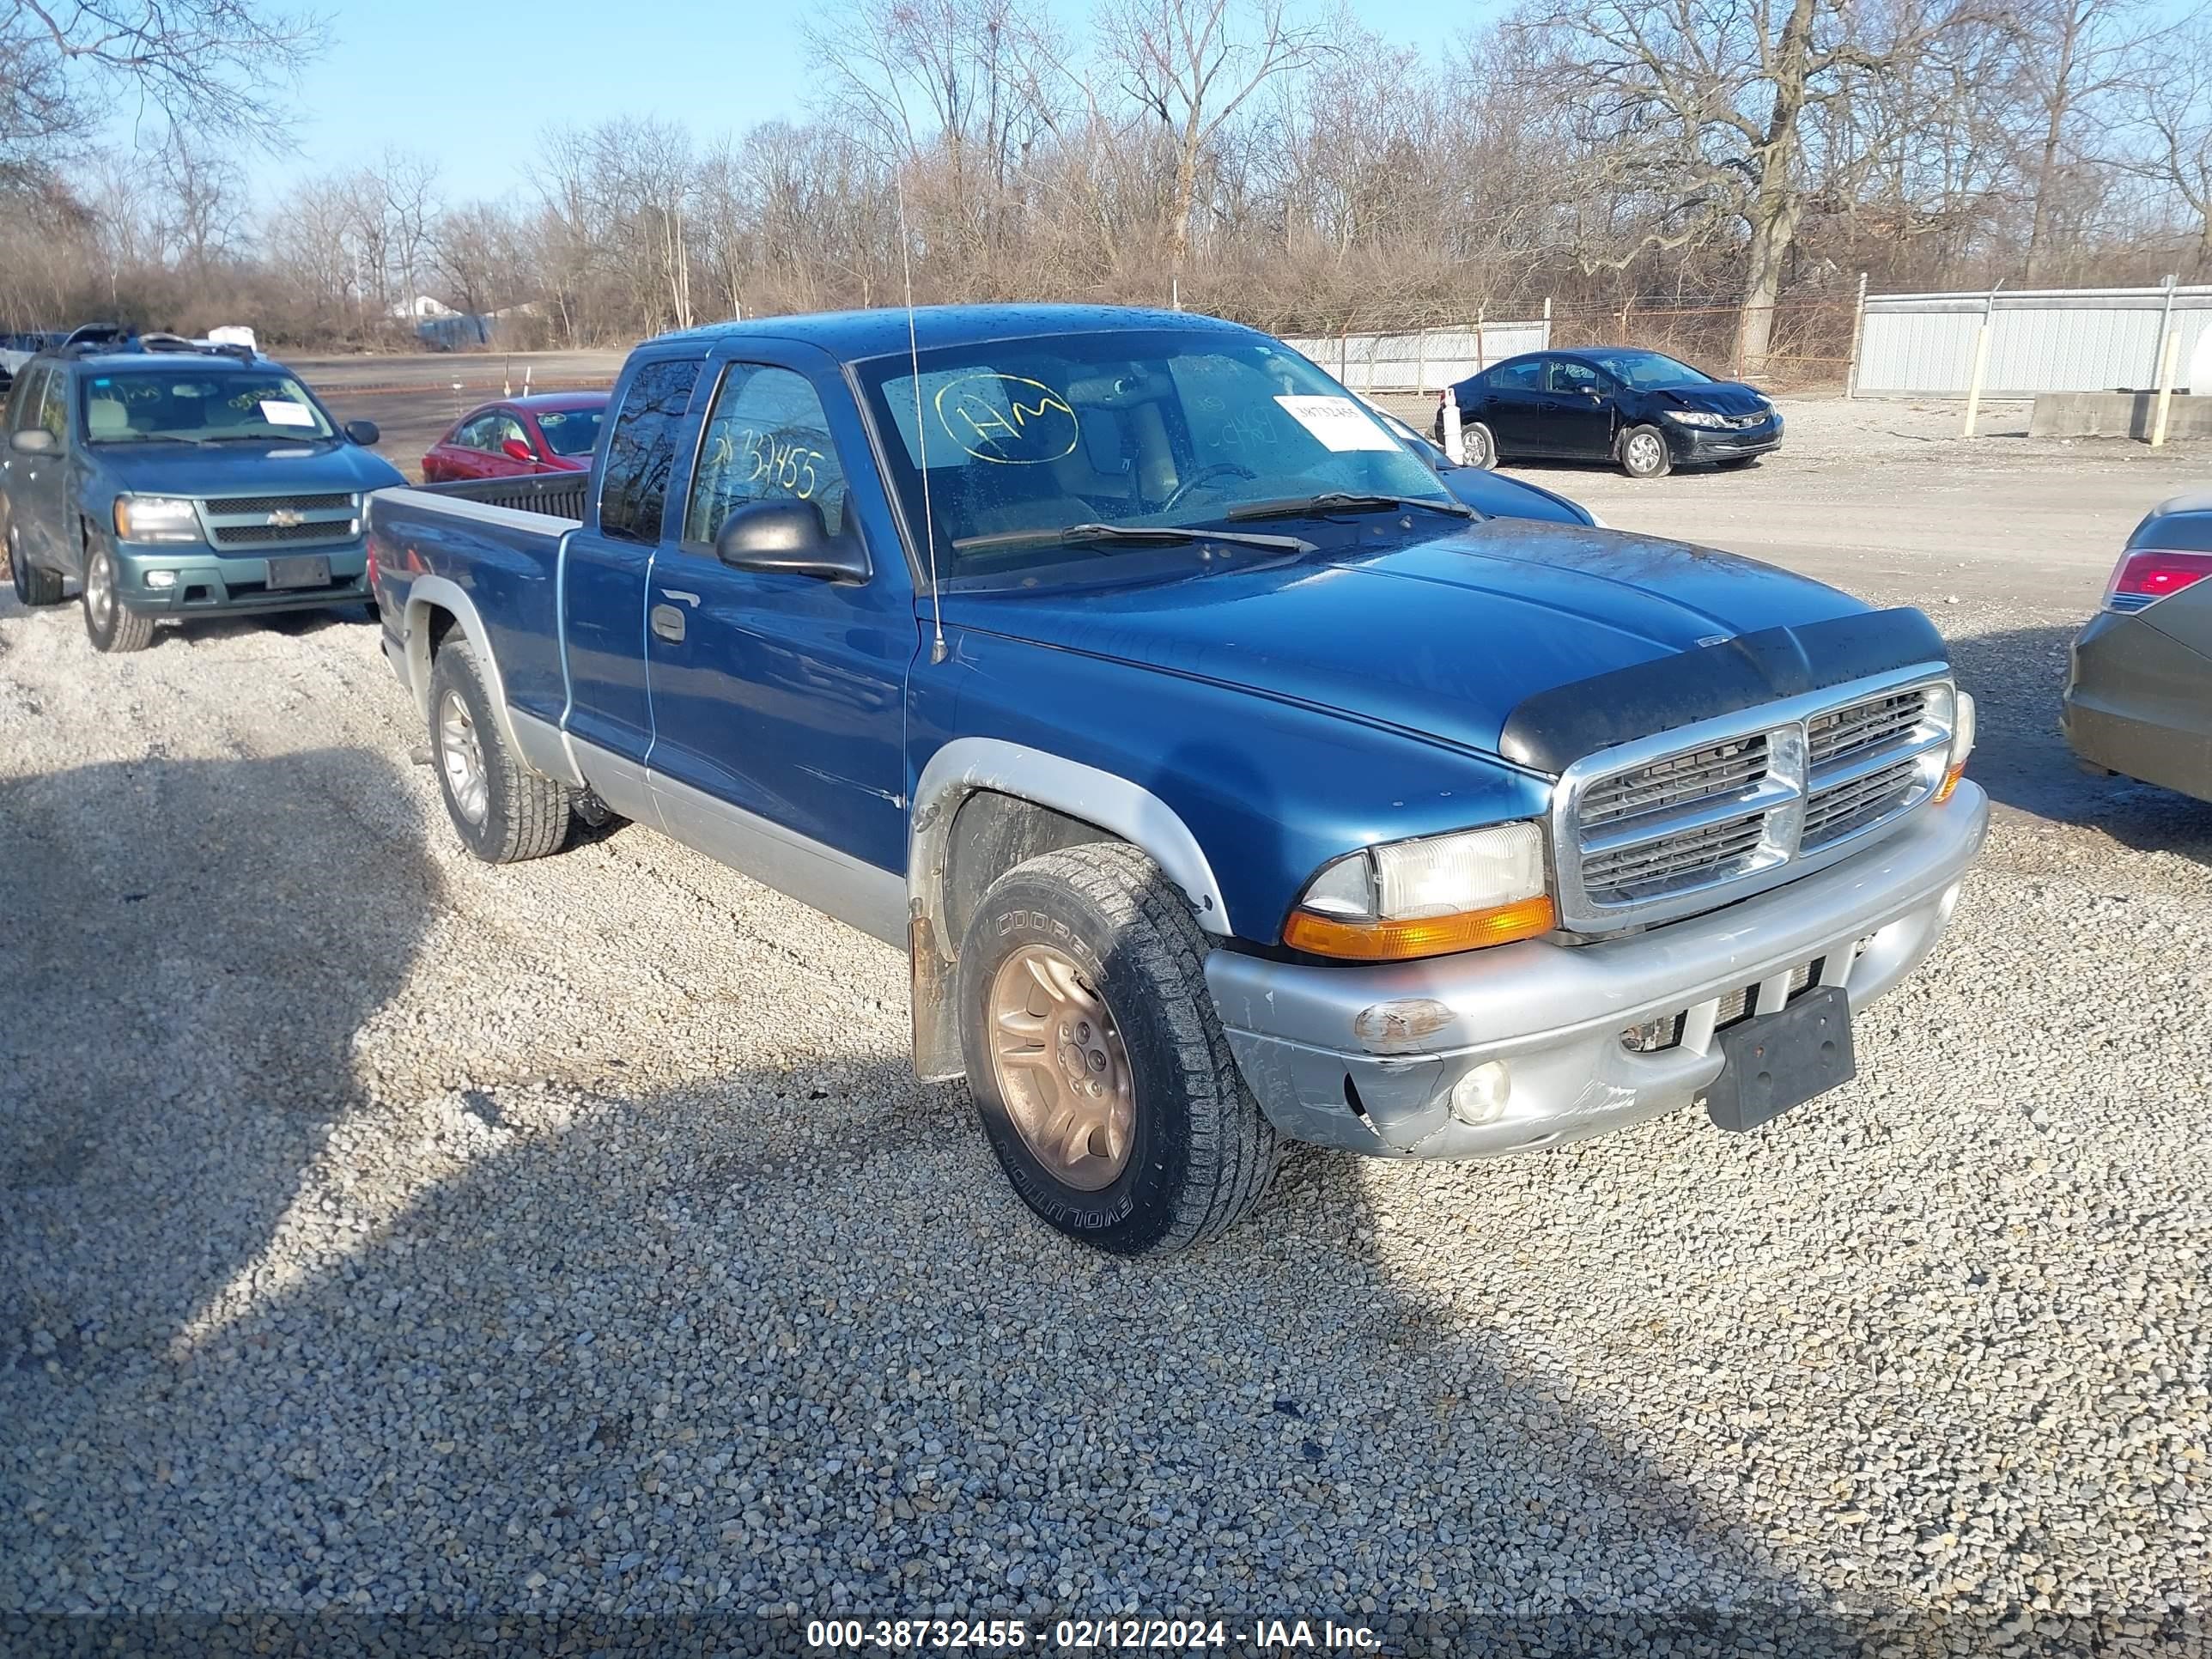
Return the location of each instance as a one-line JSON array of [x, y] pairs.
[[112, 625], [504, 812], [1098, 1066], [34, 586]]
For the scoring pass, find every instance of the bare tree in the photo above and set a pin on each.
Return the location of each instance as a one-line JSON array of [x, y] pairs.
[[1191, 64], [1700, 113], [2173, 99], [208, 67]]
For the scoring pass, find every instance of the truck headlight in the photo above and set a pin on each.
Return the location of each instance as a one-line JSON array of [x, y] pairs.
[[1427, 897], [1962, 744], [156, 518], [1695, 417]]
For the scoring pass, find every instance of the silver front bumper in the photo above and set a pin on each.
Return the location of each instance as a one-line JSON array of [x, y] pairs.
[[1366, 1058]]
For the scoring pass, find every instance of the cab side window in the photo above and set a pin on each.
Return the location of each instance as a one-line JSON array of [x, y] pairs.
[[23, 407], [53, 406], [641, 451], [767, 439], [471, 433], [503, 430], [1515, 377]]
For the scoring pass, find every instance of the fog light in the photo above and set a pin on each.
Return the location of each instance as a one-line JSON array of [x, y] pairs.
[[161, 578], [1479, 1098]]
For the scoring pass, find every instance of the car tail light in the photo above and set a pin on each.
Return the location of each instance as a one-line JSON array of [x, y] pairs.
[[2147, 574]]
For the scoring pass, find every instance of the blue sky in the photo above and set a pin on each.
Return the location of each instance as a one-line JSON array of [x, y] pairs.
[[471, 84]]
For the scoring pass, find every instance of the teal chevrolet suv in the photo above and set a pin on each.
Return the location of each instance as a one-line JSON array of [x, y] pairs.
[[172, 480]]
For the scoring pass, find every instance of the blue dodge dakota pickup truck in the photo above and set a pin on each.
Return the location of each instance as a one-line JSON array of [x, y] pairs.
[[1224, 780]]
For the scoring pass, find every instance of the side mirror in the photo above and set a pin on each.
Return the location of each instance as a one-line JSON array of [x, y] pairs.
[[36, 441], [789, 536], [364, 433], [515, 450]]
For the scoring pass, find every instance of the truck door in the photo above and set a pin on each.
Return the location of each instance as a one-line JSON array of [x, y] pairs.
[[34, 482], [778, 699], [603, 575]]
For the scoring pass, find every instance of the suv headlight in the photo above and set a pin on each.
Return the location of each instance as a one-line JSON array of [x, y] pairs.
[[1427, 897], [156, 518], [1695, 417]]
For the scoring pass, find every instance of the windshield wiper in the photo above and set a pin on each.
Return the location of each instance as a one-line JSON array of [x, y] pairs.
[[1076, 535], [1339, 500]]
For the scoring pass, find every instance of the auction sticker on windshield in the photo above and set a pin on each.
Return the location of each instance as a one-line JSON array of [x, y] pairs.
[[1339, 422], [283, 411]]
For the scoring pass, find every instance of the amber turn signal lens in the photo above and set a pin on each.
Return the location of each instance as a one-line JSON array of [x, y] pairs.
[[1429, 936], [1950, 782]]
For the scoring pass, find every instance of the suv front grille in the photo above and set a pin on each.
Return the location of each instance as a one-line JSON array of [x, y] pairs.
[[257, 521], [1654, 835]]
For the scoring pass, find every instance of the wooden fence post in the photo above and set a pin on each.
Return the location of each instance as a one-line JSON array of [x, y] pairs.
[[1981, 364], [1858, 329], [2167, 360]]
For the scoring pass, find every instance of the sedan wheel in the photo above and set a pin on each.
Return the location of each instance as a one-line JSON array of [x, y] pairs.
[[1644, 452]]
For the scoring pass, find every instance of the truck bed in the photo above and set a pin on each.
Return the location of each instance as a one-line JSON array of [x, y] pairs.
[[555, 495], [498, 541]]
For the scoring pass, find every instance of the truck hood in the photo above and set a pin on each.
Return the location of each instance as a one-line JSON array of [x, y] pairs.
[[273, 468], [1444, 639]]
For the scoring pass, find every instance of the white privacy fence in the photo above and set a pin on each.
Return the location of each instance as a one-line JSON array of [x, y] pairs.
[[1421, 360], [2089, 339]]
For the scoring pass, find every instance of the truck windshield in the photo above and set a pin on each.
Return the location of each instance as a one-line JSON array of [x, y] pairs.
[[1120, 427], [198, 406]]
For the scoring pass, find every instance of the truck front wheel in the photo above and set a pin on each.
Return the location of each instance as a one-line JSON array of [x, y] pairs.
[[504, 811], [1098, 1066]]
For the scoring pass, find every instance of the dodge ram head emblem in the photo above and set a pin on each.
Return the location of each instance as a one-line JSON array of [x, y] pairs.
[[285, 519]]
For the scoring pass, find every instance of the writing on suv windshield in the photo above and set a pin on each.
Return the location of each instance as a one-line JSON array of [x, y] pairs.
[[198, 407], [1131, 433]]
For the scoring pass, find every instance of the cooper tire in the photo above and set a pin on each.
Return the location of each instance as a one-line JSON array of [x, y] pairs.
[[1644, 452], [1199, 1152], [110, 624], [34, 586], [503, 812]]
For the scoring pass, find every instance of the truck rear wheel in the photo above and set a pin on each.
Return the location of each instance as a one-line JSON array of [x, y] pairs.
[[503, 811], [1098, 1066]]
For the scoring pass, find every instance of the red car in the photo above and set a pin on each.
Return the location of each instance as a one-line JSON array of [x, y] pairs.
[[549, 432]]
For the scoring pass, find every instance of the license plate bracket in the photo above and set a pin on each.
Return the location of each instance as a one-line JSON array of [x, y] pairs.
[[1777, 1061], [301, 570]]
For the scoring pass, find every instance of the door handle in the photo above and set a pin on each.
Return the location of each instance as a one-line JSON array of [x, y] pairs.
[[668, 623]]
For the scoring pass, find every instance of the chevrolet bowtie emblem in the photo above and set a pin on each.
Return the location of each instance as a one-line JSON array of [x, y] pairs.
[[284, 519]]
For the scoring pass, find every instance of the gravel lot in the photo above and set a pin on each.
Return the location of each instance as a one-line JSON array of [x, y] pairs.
[[380, 1231]]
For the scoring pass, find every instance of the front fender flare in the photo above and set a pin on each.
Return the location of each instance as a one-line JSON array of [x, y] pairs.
[[1113, 803]]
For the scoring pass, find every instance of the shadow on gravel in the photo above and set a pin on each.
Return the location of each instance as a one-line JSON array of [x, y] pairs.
[[187, 949], [2021, 758], [784, 1340]]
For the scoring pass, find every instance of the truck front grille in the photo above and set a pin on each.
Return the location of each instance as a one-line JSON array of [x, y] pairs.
[[1646, 832], [259, 522]]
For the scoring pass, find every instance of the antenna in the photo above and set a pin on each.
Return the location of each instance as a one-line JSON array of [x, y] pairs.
[[937, 652]]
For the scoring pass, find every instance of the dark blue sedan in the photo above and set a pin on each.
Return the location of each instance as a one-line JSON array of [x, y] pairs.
[[1640, 409]]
